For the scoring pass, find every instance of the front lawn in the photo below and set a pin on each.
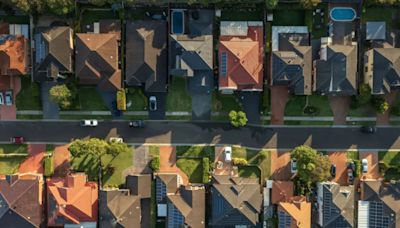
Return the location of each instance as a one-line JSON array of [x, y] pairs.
[[136, 100], [224, 102], [28, 97], [195, 151], [260, 158], [296, 104], [178, 98], [193, 167], [13, 149], [249, 171], [391, 160], [365, 110], [10, 165], [90, 99]]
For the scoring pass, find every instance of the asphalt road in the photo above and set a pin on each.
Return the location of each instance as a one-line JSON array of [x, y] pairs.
[[205, 133]]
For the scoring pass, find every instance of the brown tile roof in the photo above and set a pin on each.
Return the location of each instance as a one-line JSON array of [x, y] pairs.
[[13, 55], [282, 191], [139, 185], [21, 200], [71, 200], [96, 60], [4, 28], [245, 56], [299, 210]]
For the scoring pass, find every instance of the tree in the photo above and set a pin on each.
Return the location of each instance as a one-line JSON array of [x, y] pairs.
[[308, 4], [381, 106], [155, 164], [62, 95], [312, 167], [30, 5], [365, 94], [116, 148], [60, 7], [271, 4], [238, 119]]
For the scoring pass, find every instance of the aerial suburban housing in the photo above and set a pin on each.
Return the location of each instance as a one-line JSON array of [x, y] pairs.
[[200, 113]]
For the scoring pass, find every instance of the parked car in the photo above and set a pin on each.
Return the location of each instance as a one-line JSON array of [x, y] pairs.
[[137, 123], [368, 129], [116, 140], [293, 166], [8, 98], [350, 176], [228, 153], [17, 140], [153, 103], [364, 163], [333, 170], [89, 123], [1, 98], [351, 166]]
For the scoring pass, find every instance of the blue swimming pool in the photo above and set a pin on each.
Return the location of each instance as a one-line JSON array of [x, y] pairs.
[[178, 22], [343, 14]]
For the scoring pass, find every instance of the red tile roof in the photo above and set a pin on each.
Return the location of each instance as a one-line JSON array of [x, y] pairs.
[[71, 200], [13, 55], [282, 191], [299, 210], [244, 60]]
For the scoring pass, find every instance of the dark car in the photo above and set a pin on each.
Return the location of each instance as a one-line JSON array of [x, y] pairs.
[[368, 129], [333, 170], [17, 140], [137, 123]]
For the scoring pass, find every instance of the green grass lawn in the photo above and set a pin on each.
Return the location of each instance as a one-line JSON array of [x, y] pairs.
[[289, 17], [353, 155], [364, 110], [376, 13], [29, 117], [13, 149], [10, 165], [224, 102], [253, 158], [178, 98], [193, 167], [90, 99], [29, 96], [136, 99], [392, 160], [195, 151], [296, 104], [91, 16], [249, 171]]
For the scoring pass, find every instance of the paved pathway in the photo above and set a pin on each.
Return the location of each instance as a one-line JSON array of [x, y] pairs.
[[34, 161]]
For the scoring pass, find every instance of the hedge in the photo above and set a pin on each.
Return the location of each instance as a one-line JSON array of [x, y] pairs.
[[358, 171], [155, 164], [121, 100], [48, 166], [206, 169], [239, 161]]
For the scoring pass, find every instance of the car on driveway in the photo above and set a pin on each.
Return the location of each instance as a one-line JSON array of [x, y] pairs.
[[89, 123], [17, 140], [368, 129], [8, 98], [350, 176], [1, 98], [333, 170], [293, 166], [364, 163], [228, 153], [137, 123], [153, 103]]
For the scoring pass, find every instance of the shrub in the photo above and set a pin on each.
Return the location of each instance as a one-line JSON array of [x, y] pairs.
[[357, 163], [48, 166], [310, 110], [155, 164], [239, 161], [206, 169], [262, 155], [121, 100], [381, 106], [365, 94], [238, 119]]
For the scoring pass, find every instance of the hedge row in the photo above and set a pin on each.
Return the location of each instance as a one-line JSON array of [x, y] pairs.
[[48, 166], [206, 169]]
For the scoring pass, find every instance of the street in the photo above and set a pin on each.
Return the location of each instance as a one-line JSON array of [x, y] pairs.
[[163, 132]]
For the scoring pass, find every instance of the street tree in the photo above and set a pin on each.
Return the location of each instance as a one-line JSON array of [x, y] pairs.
[[60, 7], [61, 95], [237, 118]]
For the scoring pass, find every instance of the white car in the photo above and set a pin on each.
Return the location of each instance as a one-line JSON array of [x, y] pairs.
[[153, 103], [9, 98], [364, 163], [116, 140], [89, 123], [293, 166], [1, 98], [228, 153]]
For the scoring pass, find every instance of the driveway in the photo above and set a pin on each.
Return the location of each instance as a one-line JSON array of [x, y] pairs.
[[158, 114], [340, 107], [50, 108], [280, 166], [13, 84], [168, 163], [34, 161], [340, 160], [279, 97], [384, 119], [200, 88], [201, 106], [61, 160], [141, 160], [373, 165], [251, 105], [109, 98], [226, 168]]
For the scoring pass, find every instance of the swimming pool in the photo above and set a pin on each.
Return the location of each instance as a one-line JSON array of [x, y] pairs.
[[343, 14], [178, 22]]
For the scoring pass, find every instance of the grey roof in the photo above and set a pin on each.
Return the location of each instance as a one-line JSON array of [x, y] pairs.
[[336, 71], [192, 51], [386, 70], [338, 205], [235, 201], [139, 185], [118, 209], [387, 196], [190, 202], [376, 30], [291, 64], [146, 55], [54, 50]]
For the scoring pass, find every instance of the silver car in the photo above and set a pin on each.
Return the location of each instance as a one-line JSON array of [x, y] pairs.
[[9, 98]]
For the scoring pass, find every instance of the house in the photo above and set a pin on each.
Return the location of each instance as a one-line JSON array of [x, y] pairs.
[[13, 55], [379, 204], [241, 56], [128, 207], [294, 213], [282, 191], [335, 205], [191, 48], [146, 55], [97, 57], [21, 201], [53, 52], [180, 205], [335, 72], [72, 201], [291, 59], [235, 201]]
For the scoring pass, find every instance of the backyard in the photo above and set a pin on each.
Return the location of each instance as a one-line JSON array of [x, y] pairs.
[[296, 106], [381, 13], [178, 98], [258, 160], [28, 97], [391, 161], [88, 17]]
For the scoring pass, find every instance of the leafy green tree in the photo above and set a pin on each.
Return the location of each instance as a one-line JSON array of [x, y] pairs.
[[312, 167], [380, 104], [30, 5], [62, 95], [155, 164], [365, 94], [60, 7], [308, 4], [271, 4], [237, 119], [116, 148]]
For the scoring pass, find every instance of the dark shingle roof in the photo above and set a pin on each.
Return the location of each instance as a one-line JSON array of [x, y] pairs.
[[386, 70], [139, 185], [146, 54]]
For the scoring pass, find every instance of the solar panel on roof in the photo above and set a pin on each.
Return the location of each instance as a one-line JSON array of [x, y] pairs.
[[224, 64]]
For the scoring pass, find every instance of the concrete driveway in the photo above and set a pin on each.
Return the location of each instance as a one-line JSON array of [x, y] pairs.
[[280, 166], [50, 108], [110, 100], [373, 165], [340, 160], [279, 97], [14, 84], [158, 114], [251, 105], [200, 88], [201, 106]]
